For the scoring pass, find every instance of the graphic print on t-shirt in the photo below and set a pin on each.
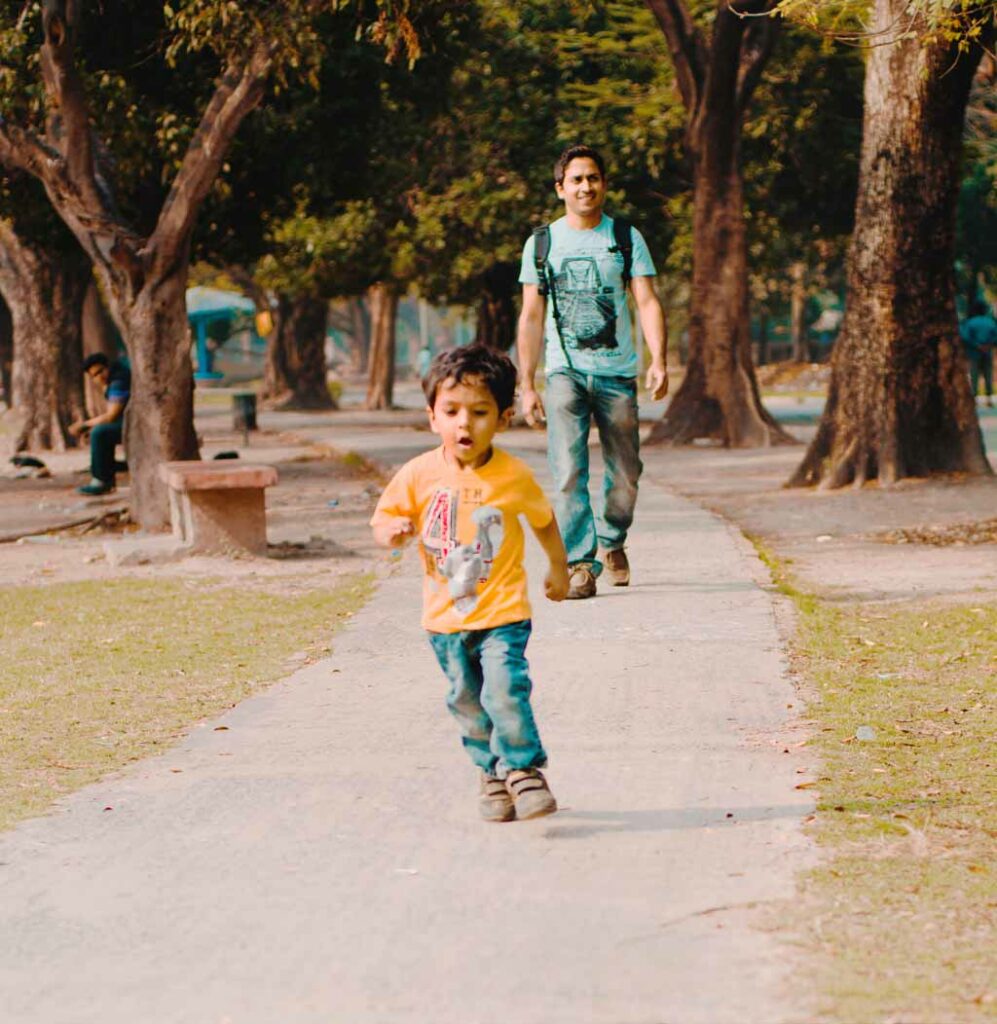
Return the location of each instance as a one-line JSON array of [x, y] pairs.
[[586, 306], [463, 566]]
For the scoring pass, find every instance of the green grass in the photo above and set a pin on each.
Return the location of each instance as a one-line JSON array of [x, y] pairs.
[[901, 912], [96, 675]]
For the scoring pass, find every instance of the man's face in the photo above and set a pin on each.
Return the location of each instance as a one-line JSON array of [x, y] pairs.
[[99, 375], [584, 187]]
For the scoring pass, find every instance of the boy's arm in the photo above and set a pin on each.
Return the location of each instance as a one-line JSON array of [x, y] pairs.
[[529, 342], [393, 531], [652, 323], [556, 580]]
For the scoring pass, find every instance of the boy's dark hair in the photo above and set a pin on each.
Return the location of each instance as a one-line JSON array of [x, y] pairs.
[[493, 369], [95, 359], [978, 308], [572, 153]]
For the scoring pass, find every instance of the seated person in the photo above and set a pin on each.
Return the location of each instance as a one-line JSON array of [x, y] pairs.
[[106, 429]]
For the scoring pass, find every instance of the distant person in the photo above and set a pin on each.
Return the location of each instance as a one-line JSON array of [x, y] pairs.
[[423, 358], [979, 338], [576, 274], [106, 429], [463, 501]]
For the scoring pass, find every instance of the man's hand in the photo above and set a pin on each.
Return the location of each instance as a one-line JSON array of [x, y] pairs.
[[556, 581], [393, 531], [657, 380], [77, 428], [533, 407]]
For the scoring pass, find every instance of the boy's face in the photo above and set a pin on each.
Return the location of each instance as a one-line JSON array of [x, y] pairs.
[[584, 187], [466, 417]]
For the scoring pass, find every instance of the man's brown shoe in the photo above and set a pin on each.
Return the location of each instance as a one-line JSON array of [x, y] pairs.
[[581, 583], [495, 801], [529, 789], [617, 567]]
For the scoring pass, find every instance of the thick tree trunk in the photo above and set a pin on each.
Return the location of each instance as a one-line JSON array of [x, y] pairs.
[[383, 299], [497, 307], [44, 292], [719, 396], [798, 312], [899, 403], [159, 419], [304, 348]]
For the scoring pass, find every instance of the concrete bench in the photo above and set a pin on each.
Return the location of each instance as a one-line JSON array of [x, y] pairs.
[[218, 506]]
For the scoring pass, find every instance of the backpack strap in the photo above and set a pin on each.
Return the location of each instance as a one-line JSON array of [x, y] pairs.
[[545, 276], [541, 250], [623, 239]]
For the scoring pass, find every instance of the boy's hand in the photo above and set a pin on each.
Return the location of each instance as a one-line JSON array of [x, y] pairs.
[[394, 531], [657, 380], [556, 582]]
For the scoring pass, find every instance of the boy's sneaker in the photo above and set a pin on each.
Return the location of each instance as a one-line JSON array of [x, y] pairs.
[[581, 583], [617, 567], [529, 789], [495, 803]]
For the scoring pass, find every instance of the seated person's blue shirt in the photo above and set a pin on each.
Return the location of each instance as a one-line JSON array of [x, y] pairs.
[[591, 300]]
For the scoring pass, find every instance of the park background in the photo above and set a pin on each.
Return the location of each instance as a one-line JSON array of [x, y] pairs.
[[297, 196]]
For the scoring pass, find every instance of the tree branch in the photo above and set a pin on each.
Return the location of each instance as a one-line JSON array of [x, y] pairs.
[[24, 151], [756, 51], [239, 90], [686, 46]]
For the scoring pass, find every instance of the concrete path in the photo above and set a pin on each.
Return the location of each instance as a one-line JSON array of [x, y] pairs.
[[315, 857]]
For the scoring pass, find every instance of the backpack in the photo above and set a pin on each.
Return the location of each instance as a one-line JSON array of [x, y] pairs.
[[623, 244]]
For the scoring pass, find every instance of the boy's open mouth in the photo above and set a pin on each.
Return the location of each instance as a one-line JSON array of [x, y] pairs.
[[464, 442]]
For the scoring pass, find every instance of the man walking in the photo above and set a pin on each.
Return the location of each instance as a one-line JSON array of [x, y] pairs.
[[575, 275]]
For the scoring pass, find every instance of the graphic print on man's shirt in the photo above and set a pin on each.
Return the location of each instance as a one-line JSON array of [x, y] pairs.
[[586, 307], [465, 567]]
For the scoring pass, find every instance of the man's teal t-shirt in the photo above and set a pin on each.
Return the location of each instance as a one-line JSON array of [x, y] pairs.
[[587, 273]]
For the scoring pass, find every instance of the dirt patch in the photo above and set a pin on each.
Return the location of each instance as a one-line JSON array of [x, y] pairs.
[[983, 532]]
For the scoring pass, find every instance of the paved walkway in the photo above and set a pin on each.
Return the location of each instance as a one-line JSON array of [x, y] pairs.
[[319, 860]]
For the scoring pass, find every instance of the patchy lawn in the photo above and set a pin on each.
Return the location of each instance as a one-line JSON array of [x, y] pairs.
[[98, 674], [903, 910]]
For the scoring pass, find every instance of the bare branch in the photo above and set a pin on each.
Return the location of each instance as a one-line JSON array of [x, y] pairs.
[[24, 151], [239, 90], [755, 53], [686, 46]]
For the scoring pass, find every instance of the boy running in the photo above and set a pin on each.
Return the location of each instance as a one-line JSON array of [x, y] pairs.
[[463, 500]]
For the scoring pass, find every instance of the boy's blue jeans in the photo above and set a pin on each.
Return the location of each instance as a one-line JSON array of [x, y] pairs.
[[571, 402], [490, 695]]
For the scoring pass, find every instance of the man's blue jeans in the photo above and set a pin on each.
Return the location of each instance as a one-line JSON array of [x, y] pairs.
[[103, 439], [571, 402], [490, 695]]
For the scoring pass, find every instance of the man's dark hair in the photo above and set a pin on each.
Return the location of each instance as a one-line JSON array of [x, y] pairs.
[[572, 153], [494, 370], [978, 308], [95, 359]]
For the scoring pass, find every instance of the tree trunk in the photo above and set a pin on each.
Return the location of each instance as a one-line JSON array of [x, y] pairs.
[[304, 347], [99, 335], [383, 298], [277, 361], [360, 335], [6, 352], [719, 396], [899, 403], [798, 312], [716, 77], [44, 292], [497, 307], [159, 418]]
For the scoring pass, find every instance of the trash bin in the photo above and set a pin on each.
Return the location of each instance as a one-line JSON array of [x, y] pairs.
[[244, 411]]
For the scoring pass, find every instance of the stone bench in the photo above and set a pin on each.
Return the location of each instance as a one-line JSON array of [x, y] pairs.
[[217, 506]]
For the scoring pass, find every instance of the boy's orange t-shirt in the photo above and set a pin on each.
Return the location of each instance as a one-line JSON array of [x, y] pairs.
[[470, 537]]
